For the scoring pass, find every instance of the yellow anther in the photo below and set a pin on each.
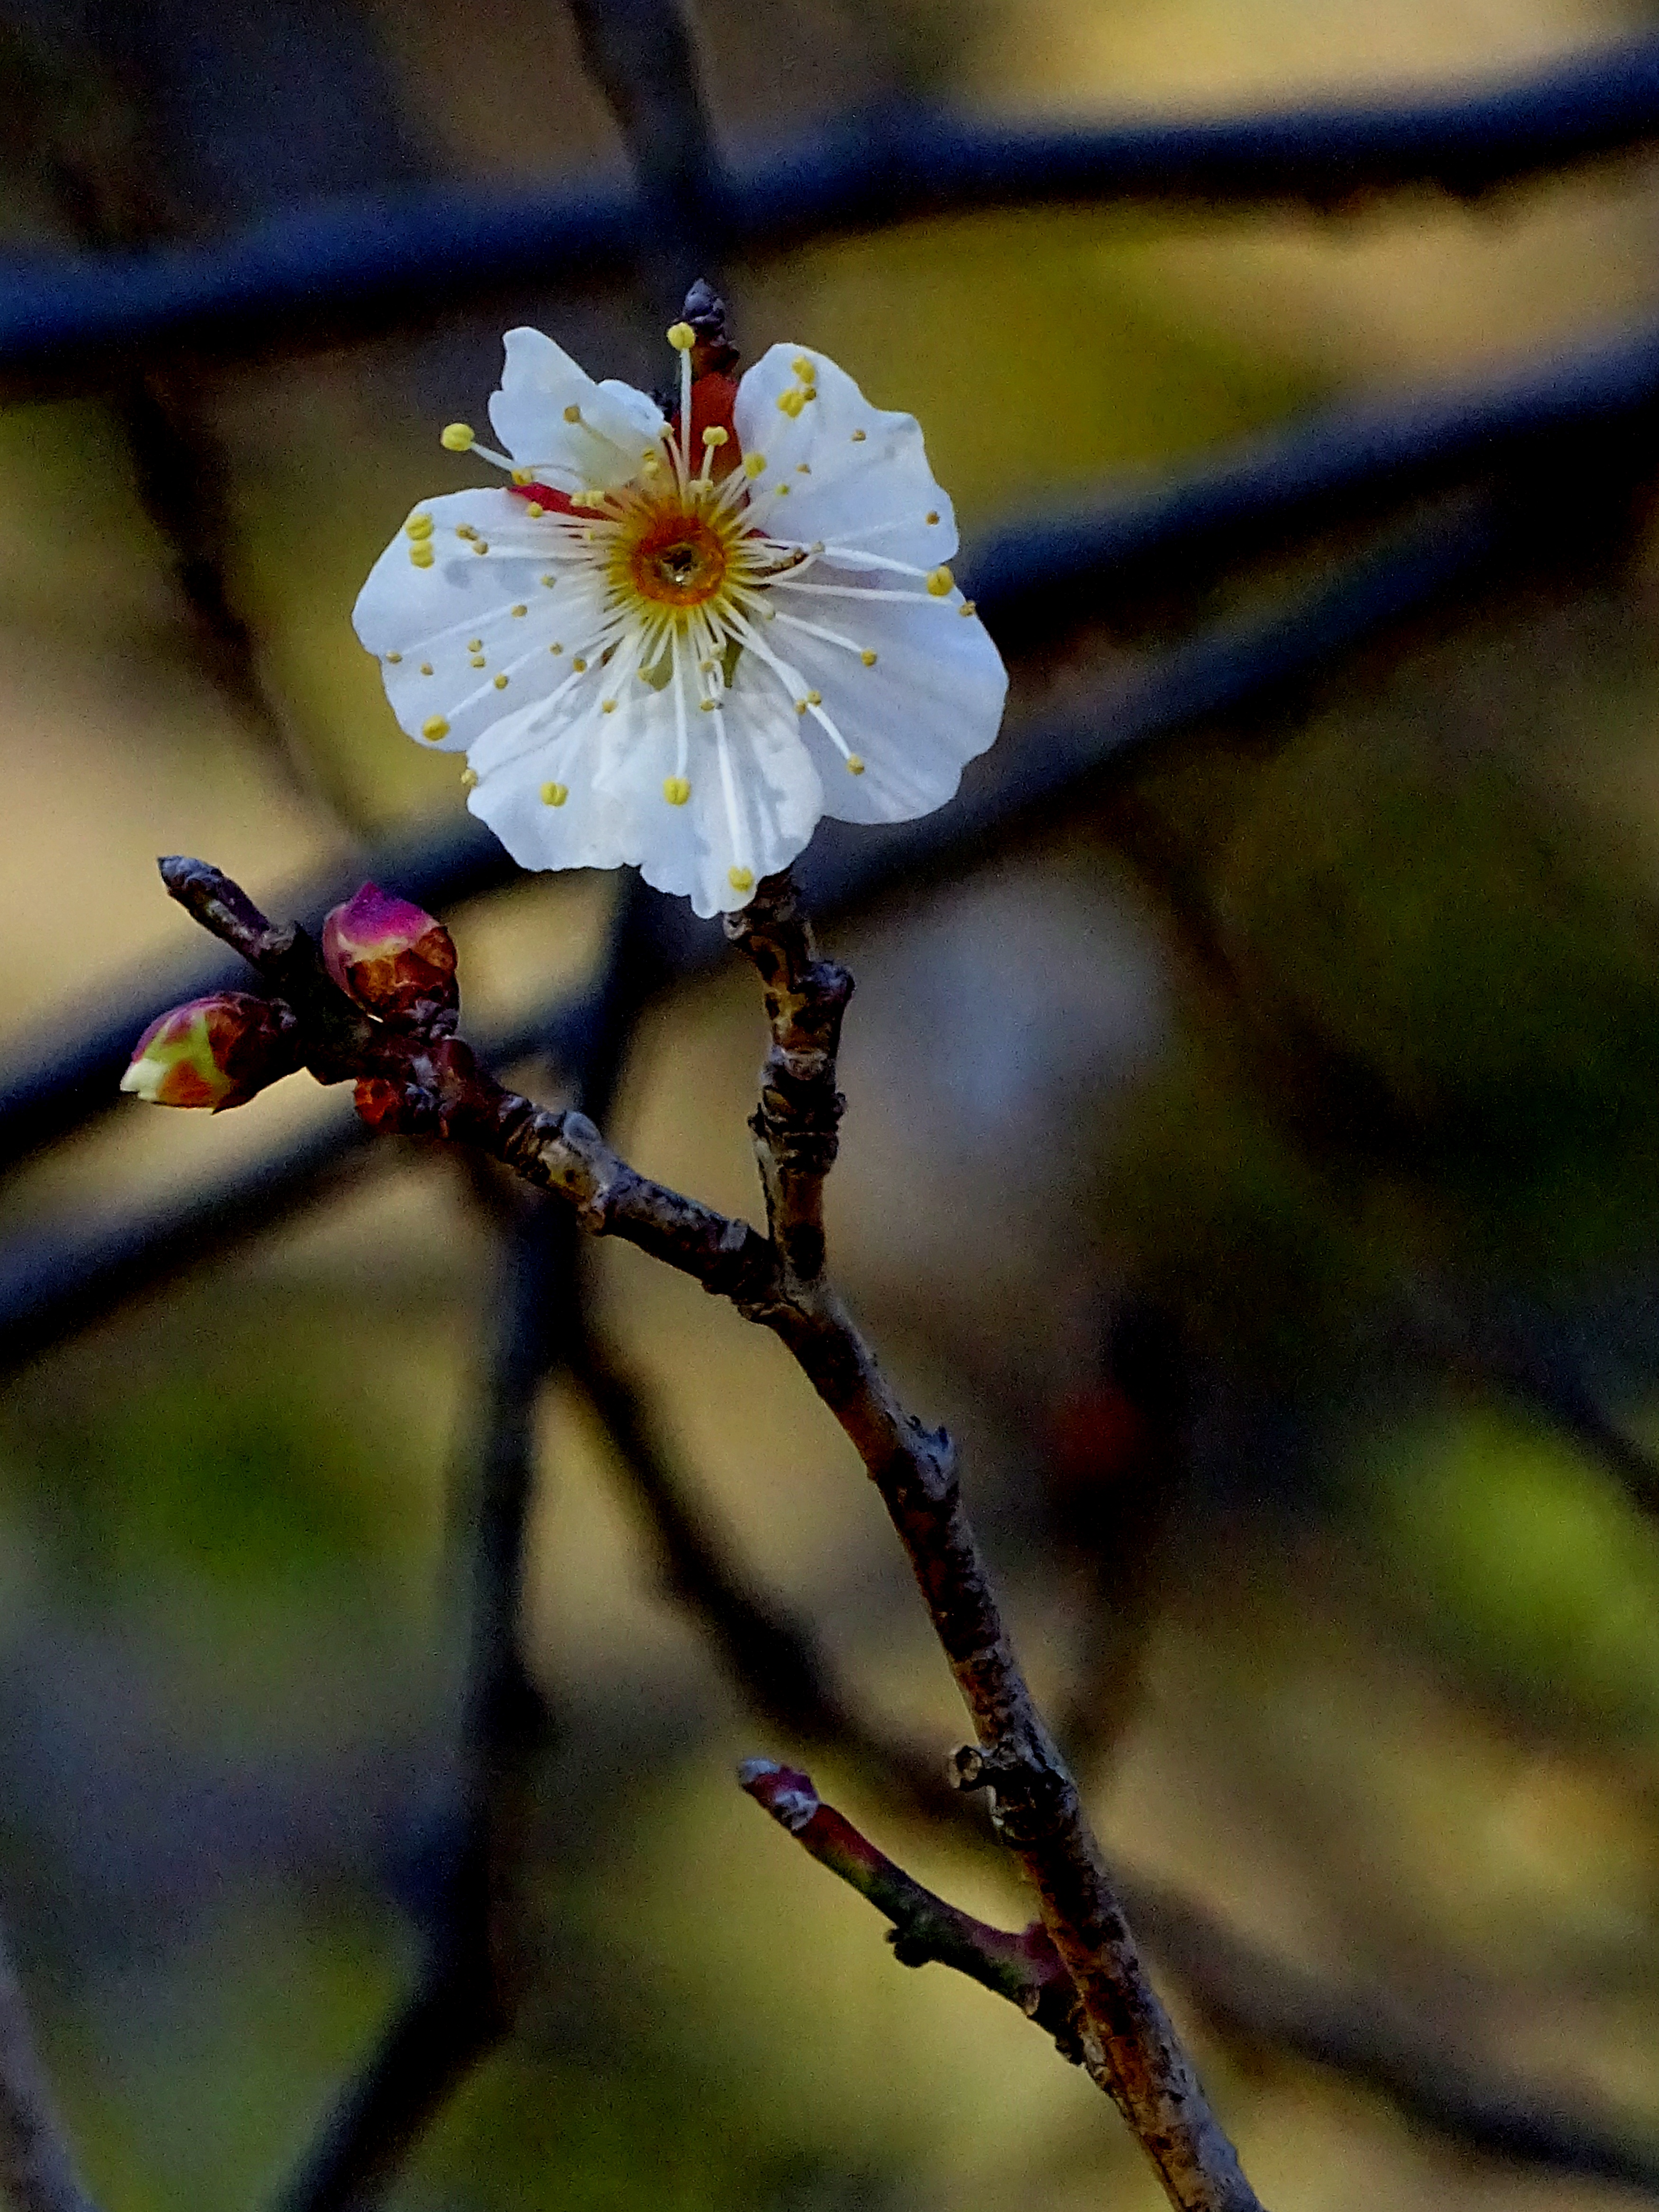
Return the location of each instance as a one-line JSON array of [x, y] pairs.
[[855, 764], [464, 529], [815, 698], [579, 664], [754, 465], [608, 706], [501, 683], [477, 660], [521, 611], [422, 555], [426, 668], [419, 526], [534, 509], [783, 491], [394, 657], [802, 468], [676, 790], [469, 779], [941, 582], [968, 607], [868, 657], [555, 649], [707, 667], [474, 645], [932, 514], [708, 706], [682, 336], [434, 729], [800, 706], [555, 795], [741, 879], [524, 476], [790, 402], [714, 435], [456, 437], [808, 391], [804, 367], [548, 580], [572, 413], [858, 437], [481, 545]]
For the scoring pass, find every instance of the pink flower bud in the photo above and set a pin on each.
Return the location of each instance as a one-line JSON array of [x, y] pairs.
[[214, 1052], [389, 955]]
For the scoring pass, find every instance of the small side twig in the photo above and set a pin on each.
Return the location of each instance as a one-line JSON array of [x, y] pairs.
[[1025, 1968]]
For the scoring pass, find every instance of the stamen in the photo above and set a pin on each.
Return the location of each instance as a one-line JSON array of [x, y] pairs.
[[741, 879], [855, 764], [501, 683], [469, 779], [394, 657], [858, 437], [555, 795], [426, 668], [941, 582], [676, 790], [434, 729], [421, 555], [790, 403], [419, 526], [457, 437], [754, 465], [572, 413], [477, 659], [518, 610], [682, 336]]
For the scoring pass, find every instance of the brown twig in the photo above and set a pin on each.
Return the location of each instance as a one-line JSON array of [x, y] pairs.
[[37, 2173], [1026, 1968], [419, 1082]]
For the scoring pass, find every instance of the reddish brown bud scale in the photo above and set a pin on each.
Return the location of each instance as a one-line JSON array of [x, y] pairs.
[[392, 956], [214, 1052]]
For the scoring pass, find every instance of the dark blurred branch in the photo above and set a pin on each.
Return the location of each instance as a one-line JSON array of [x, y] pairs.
[[37, 2173], [773, 1658], [477, 1963], [337, 269], [641, 55]]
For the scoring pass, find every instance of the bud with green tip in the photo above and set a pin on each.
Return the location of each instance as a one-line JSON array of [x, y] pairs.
[[391, 956], [214, 1052]]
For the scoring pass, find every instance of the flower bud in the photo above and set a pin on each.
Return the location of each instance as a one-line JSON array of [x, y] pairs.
[[391, 956], [214, 1052]]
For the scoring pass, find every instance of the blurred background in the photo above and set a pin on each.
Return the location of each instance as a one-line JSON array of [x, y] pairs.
[[1254, 1162]]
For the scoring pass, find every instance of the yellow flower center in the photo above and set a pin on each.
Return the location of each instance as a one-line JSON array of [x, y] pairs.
[[674, 556]]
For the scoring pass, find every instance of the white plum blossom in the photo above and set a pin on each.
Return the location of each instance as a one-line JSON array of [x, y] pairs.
[[678, 643]]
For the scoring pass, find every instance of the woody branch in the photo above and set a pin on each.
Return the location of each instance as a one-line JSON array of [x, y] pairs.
[[415, 1077]]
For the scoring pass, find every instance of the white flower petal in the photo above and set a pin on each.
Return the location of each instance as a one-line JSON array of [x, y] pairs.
[[932, 702], [540, 383], [877, 490], [587, 828], [430, 617], [752, 813]]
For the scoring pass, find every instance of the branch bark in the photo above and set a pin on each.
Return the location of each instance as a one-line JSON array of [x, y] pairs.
[[422, 1082]]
